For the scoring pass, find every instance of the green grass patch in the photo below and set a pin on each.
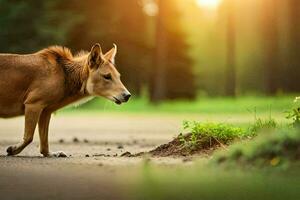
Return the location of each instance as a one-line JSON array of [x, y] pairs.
[[211, 135], [208, 134], [205, 138], [262, 124], [205, 105], [279, 148]]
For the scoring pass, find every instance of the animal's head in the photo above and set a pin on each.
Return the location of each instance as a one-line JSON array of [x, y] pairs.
[[104, 79]]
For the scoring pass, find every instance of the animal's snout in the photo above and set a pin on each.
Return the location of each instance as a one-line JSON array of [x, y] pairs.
[[126, 96]]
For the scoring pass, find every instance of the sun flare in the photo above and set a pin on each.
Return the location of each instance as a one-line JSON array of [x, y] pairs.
[[210, 4]]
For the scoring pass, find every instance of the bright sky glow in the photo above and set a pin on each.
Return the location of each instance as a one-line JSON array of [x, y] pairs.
[[209, 4]]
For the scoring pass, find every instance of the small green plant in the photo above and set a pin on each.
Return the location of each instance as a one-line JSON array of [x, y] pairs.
[[261, 124], [207, 134], [294, 113]]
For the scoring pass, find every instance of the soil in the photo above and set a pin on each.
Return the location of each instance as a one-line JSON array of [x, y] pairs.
[[177, 148]]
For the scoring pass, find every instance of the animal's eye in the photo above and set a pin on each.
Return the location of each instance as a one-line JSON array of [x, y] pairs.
[[107, 77]]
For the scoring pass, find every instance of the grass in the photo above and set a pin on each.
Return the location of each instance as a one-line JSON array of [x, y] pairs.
[[200, 138], [248, 105], [207, 135], [262, 124], [239, 111], [278, 148]]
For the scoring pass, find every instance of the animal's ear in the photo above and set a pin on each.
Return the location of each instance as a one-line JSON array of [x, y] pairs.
[[95, 56], [111, 54]]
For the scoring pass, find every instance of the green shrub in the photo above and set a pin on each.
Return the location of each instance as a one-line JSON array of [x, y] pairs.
[[208, 133], [220, 133]]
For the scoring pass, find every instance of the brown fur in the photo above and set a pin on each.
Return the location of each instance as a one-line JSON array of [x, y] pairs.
[[35, 85], [74, 68]]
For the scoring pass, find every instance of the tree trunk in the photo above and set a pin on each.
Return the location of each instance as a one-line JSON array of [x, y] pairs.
[[271, 46], [158, 91], [293, 64], [230, 89]]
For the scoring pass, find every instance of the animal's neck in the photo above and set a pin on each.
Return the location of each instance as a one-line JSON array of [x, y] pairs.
[[76, 75]]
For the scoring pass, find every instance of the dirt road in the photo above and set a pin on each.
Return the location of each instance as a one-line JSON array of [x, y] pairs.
[[94, 143]]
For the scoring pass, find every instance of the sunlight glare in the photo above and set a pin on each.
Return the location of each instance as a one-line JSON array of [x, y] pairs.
[[209, 4]]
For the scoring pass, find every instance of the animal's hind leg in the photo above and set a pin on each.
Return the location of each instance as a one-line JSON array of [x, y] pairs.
[[43, 131], [32, 114]]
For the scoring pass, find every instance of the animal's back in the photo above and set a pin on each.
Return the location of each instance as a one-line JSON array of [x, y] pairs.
[[17, 74]]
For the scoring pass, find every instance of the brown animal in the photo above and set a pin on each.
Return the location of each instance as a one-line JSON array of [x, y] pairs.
[[36, 85]]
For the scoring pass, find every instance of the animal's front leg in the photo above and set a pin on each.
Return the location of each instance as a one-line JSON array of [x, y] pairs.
[[32, 114], [43, 132]]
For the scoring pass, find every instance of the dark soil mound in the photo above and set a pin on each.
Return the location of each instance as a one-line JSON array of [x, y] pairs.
[[178, 148], [201, 139]]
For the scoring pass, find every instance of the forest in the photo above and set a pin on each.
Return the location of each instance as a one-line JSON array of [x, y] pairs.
[[171, 49]]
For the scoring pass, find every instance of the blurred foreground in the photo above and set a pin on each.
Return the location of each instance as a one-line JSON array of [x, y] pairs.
[[96, 170]]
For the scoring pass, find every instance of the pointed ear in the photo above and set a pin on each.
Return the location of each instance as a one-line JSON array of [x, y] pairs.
[[111, 54], [95, 56]]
